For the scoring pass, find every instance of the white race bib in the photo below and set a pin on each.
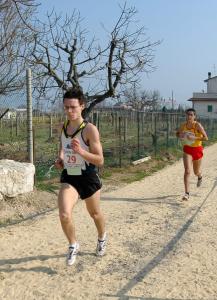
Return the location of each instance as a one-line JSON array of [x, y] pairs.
[[185, 140], [73, 162]]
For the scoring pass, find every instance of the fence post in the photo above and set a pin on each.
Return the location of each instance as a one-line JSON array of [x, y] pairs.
[[17, 120], [168, 130], [138, 135], [155, 134], [95, 118], [51, 126], [177, 126], [12, 126], [120, 142], [29, 115], [125, 128], [98, 120], [143, 131]]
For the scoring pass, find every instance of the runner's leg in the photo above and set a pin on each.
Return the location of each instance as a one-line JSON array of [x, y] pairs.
[[197, 171], [187, 161], [67, 199], [197, 167], [93, 207]]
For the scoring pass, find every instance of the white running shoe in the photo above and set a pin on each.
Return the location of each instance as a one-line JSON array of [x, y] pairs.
[[186, 197], [71, 256], [101, 246]]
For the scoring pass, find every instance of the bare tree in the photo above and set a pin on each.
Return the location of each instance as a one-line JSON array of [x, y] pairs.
[[143, 100], [14, 33], [65, 56]]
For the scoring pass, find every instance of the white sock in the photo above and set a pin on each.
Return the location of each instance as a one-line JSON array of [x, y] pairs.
[[72, 245], [103, 237]]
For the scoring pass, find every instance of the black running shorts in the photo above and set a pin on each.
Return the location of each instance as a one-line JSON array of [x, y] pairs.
[[86, 184]]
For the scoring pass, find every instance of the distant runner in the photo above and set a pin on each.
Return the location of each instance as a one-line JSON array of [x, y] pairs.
[[80, 153], [192, 133]]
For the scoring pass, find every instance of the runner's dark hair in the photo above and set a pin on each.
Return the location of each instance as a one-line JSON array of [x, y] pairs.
[[191, 110], [75, 93]]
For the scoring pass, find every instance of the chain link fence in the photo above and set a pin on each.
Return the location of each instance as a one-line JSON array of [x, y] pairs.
[[13, 129], [126, 135]]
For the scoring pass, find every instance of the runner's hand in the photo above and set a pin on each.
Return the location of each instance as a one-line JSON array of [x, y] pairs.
[[191, 137], [181, 135], [76, 147], [58, 163]]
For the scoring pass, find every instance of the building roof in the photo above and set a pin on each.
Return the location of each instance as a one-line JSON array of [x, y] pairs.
[[203, 99], [206, 80]]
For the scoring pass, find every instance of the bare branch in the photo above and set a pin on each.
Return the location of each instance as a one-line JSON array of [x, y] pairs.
[[13, 39], [66, 53]]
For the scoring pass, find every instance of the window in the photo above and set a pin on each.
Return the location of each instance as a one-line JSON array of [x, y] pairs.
[[209, 108]]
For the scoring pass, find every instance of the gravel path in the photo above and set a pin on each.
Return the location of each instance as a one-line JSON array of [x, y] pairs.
[[159, 247]]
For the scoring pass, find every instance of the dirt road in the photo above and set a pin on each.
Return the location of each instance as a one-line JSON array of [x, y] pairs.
[[158, 248]]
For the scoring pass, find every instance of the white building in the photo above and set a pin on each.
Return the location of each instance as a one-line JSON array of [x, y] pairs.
[[12, 113], [205, 103]]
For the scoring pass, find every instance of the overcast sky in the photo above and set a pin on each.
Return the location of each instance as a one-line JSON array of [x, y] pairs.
[[187, 29]]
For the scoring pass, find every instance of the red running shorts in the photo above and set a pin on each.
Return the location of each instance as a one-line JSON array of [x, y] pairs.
[[195, 152]]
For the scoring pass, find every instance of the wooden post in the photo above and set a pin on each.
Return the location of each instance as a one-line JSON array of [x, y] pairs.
[[120, 142], [51, 126], [138, 135]]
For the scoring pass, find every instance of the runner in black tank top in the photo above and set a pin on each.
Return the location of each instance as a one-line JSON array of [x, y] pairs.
[[80, 155]]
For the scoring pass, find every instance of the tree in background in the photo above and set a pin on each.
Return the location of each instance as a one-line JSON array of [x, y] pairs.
[[64, 55], [14, 33], [142, 99]]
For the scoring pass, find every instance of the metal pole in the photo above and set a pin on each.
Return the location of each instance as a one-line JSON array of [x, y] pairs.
[[29, 115], [138, 135], [167, 137], [155, 134], [51, 126], [120, 142]]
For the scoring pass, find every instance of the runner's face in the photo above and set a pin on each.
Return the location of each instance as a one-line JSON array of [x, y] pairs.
[[73, 108], [190, 116]]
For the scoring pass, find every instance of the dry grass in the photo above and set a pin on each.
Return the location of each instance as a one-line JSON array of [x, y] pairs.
[[44, 196]]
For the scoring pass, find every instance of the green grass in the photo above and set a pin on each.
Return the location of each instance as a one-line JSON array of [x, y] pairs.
[[139, 175], [46, 149], [48, 187], [106, 173]]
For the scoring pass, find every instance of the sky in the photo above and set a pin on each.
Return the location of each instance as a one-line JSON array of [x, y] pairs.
[[186, 28]]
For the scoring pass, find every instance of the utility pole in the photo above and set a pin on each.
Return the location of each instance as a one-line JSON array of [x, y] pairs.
[[29, 115], [172, 101]]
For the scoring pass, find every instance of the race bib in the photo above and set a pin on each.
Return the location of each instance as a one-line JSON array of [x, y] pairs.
[[73, 162], [185, 140]]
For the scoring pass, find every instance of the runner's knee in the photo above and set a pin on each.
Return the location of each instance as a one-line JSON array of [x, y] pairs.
[[197, 173], [65, 217], [95, 214], [187, 172]]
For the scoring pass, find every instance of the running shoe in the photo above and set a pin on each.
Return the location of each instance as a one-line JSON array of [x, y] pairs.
[[101, 246], [199, 181], [72, 252], [186, 197]]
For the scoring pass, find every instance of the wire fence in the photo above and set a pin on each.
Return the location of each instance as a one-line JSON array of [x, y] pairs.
[[126, 135], [13, 130]]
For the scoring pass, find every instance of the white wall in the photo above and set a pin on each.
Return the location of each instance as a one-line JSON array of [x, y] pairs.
[[201, 108], [212, 85]]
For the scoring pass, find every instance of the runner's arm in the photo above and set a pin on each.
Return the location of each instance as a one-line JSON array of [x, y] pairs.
[[203, 132], [59, 161], [179, 132], [95, 156]]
